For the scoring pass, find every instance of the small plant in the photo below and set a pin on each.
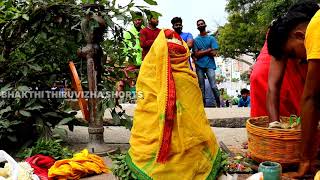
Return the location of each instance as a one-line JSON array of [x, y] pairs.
[[48, 147], [120, 167], [236, 164], [224, 163], [294, 119]]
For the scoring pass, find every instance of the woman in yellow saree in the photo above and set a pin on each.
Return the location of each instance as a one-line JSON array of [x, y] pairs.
[[171, 138]]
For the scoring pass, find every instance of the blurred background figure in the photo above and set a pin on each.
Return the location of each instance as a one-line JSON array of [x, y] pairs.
[[244, 101]]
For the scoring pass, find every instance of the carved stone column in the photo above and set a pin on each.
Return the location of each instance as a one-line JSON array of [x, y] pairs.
[[93, 26]]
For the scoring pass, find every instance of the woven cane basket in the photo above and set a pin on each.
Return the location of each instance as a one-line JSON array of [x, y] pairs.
[[278, 145]]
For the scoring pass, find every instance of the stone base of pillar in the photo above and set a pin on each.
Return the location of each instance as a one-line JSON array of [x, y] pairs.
[[96, 143]]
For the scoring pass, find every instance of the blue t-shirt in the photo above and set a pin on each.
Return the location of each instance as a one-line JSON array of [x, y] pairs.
[[204, 43], [186, 36], [244, 103]]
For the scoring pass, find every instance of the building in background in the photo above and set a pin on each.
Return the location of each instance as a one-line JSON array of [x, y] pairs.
[[230, 71]]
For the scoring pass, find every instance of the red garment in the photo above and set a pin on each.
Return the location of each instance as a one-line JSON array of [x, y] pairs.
[[147, 37], [291, 90], [173, 50], [41, 164]]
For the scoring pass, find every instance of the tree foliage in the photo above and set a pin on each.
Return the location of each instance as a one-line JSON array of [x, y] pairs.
[[248, 22], [37, 39], [245, 77]]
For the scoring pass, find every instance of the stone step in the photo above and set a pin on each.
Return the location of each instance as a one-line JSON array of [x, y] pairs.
[[233, 117]]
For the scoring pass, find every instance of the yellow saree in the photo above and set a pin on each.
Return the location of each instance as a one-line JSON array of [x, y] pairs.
[[317, 176], [171, 137]]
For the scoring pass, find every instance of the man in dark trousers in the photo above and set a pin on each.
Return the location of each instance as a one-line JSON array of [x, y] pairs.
[[205, 49]]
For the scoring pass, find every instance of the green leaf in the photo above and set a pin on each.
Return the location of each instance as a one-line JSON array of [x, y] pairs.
[[53, 114], [111, 104], [25, 113], [155, 14], [7, 109], [6, 88], [24, 71], [36, 107], [23, 88], [292, 117], [58, 140], [25, 16], [74, 27], [30, 102], [299, 120], [12, 138], [35, 67], [1, 57], [4, 124], [43, 35], [120, 17], [133, 176], [110, 23], [65, 121], [151, 2], [115, 117], [2, 103]]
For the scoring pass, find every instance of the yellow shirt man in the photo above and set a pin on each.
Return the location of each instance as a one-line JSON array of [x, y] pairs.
[[312, 45], [312, 40]]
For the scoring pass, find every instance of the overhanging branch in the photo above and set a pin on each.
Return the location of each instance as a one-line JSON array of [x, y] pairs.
[[244, 61]]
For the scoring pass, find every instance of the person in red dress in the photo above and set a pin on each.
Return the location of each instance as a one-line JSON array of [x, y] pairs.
[[281, 97]]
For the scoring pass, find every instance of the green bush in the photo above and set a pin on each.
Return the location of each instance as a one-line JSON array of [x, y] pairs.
[[48, 147], [37, 40], [120, 167]]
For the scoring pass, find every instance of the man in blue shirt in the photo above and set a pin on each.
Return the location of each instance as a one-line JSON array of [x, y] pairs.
[[205, 49], [244, 101], [187, 37], [177, 26]]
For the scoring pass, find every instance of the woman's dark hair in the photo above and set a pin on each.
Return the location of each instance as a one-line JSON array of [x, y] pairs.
[[307, 7], [278, 34]]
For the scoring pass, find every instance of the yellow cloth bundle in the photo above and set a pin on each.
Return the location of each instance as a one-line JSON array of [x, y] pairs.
[[191, 151], [82, 164], [317, 177]]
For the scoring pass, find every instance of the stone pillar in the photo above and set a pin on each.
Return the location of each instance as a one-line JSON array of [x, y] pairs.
[[92, 52]]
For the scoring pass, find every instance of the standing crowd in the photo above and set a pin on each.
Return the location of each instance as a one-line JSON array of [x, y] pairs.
[[203, 50]]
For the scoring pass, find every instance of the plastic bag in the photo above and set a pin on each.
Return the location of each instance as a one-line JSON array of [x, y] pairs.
[[257, 176], [228, 177], [14, 170]]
